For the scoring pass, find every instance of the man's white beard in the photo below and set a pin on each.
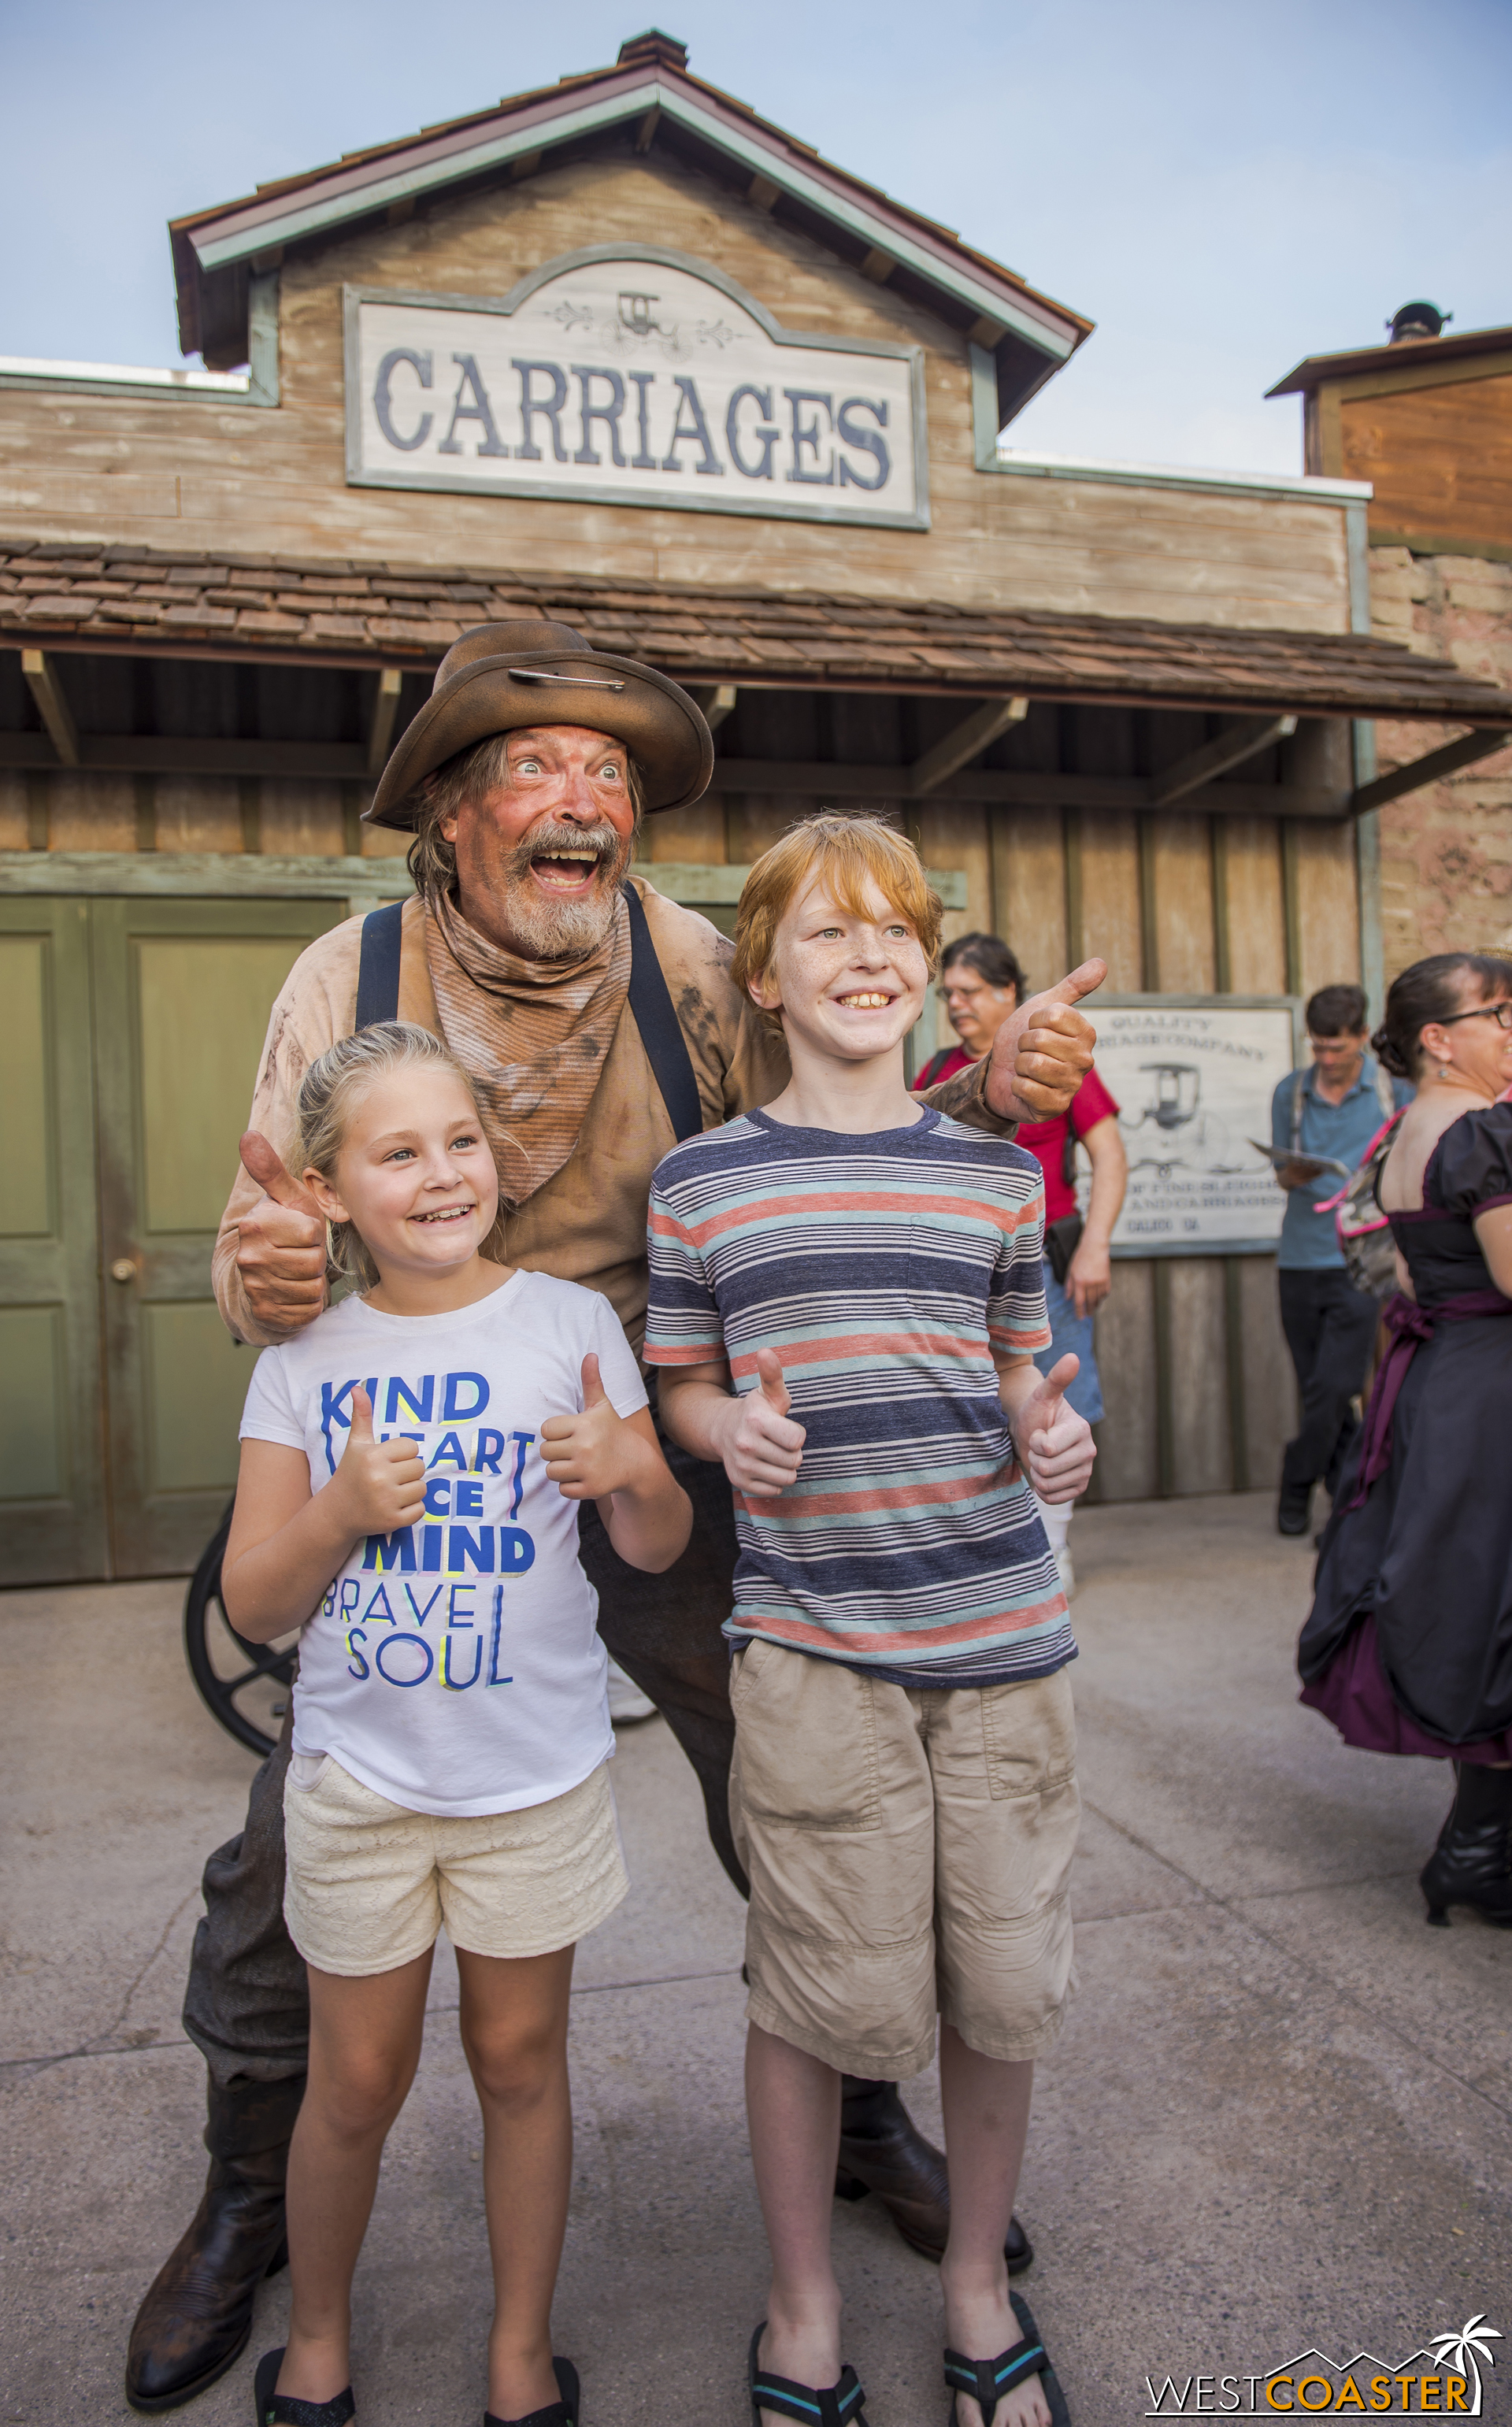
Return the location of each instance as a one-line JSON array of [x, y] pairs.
[[540, 929]]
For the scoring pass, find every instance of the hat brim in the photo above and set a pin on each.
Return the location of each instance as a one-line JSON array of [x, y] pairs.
[[662, 728]]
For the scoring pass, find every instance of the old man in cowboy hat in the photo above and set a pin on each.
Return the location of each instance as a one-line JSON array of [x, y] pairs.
[[597, 1023]]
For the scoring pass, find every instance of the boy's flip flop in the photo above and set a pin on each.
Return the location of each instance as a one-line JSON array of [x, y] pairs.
[[815, 2406], [286, 2409], [564, 2412], [989, 2380]]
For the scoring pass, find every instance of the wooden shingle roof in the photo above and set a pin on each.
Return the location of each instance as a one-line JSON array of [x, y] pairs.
[[127, 601]]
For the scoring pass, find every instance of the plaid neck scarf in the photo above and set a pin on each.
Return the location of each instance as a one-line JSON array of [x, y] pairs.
[[531, 1035]]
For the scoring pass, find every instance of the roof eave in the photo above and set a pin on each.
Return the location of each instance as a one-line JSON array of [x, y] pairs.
[[1315, 370], [208, 244]]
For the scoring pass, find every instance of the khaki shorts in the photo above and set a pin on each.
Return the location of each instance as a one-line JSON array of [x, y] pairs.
[[369, 1885], [908, 1854]]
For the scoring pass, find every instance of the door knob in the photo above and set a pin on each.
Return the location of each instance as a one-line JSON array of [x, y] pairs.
[[123, 1270]]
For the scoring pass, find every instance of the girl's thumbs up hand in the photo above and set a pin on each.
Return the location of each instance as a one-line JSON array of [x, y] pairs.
[[761, 1447], [594, 1452], [382, 1482], [1054, 1445]]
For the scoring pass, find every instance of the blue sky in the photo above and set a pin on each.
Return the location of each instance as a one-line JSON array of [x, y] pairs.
[[1222, 187]]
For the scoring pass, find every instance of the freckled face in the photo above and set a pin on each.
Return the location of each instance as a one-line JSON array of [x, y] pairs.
[[850, 983]]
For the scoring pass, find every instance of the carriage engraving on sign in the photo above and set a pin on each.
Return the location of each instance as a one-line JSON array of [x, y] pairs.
[[626, 375]]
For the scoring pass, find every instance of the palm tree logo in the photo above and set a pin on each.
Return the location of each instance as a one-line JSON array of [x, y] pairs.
[[1462, 2351]]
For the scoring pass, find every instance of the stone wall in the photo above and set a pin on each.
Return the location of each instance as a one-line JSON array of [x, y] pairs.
[[1446, 851]]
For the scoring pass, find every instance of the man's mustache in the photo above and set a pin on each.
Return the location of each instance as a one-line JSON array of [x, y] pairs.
[[542, 840]]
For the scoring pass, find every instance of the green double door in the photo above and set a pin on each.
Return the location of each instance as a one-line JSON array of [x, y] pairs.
[[131, 1034]]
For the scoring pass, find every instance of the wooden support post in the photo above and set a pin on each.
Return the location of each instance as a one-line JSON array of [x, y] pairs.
[[964, 743], [1072, 846], [354, 799], [1419, 771], [1223, 959], [385, 709], [1149, 932], [38, 810], [1237, 741], [145, 798], [1292, 906], [717, 701], [997, 861], [1165, 1384], [1233, 1326], [42, 682]]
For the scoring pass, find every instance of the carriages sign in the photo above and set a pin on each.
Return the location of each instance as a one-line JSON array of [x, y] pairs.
[[633, 376]]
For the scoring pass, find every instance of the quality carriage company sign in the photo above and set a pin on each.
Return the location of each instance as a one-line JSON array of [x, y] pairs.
[[1192, 1079], [630, 375]]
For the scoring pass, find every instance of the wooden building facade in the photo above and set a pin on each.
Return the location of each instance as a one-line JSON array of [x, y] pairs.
[[1123, 710]]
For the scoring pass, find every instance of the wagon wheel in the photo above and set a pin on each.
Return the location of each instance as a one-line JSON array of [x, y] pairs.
[[244, 1684]]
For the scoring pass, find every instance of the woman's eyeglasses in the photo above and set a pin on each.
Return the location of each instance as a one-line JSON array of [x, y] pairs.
[[1500, 1012]]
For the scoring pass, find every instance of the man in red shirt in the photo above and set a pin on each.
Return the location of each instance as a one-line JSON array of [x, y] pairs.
[[983, 984]]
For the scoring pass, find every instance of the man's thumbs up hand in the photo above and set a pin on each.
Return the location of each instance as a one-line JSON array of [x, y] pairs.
[[280, 1245], [761, 1447], [381, 1482], [1043, 1051], [1054, 1445]]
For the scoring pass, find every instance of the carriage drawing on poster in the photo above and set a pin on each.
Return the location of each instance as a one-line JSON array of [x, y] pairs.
[[1194, 1080]]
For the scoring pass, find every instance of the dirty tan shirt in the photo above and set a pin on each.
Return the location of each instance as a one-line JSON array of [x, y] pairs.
[[587, 1224]]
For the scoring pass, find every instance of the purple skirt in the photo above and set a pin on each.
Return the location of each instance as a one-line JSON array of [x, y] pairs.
[[1353, 1692]]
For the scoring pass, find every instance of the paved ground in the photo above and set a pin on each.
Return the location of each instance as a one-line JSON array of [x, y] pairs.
[[1280, 2117]]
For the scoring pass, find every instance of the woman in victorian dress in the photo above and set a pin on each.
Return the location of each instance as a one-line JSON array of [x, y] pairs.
[[1408, 1646]]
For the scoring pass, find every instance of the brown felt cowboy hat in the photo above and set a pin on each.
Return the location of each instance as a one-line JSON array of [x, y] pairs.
[[501, 676]]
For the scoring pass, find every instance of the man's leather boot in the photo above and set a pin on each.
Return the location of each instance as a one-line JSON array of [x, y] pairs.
[[1472, 1864], [197, 2316], [883, 2150]]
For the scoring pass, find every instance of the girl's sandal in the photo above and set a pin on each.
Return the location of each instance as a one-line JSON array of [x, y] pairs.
[[286, 2409], [823, 2405], [564, 2412], [989, 2380]]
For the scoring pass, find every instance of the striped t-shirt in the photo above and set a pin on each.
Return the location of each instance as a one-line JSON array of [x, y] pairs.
[[879, 1268]]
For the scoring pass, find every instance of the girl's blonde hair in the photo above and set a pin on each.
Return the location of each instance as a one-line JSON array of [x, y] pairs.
[[332, 1090], [849, 854]]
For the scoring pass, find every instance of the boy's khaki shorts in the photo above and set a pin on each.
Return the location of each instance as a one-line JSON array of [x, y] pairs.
[[369, 1885], [908, 1854]]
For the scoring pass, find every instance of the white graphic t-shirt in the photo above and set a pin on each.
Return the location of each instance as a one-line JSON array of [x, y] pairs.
[[455, 1667]]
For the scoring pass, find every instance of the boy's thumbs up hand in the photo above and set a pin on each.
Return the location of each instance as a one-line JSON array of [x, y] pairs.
[[1043, 1051], [770, 1382], [280, 1244], [761, 1447], [1054, 1445], [382, 1482]]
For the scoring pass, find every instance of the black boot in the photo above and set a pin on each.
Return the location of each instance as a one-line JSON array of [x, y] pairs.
[[197, 2313], [883, 2150], [1472, 1864]]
